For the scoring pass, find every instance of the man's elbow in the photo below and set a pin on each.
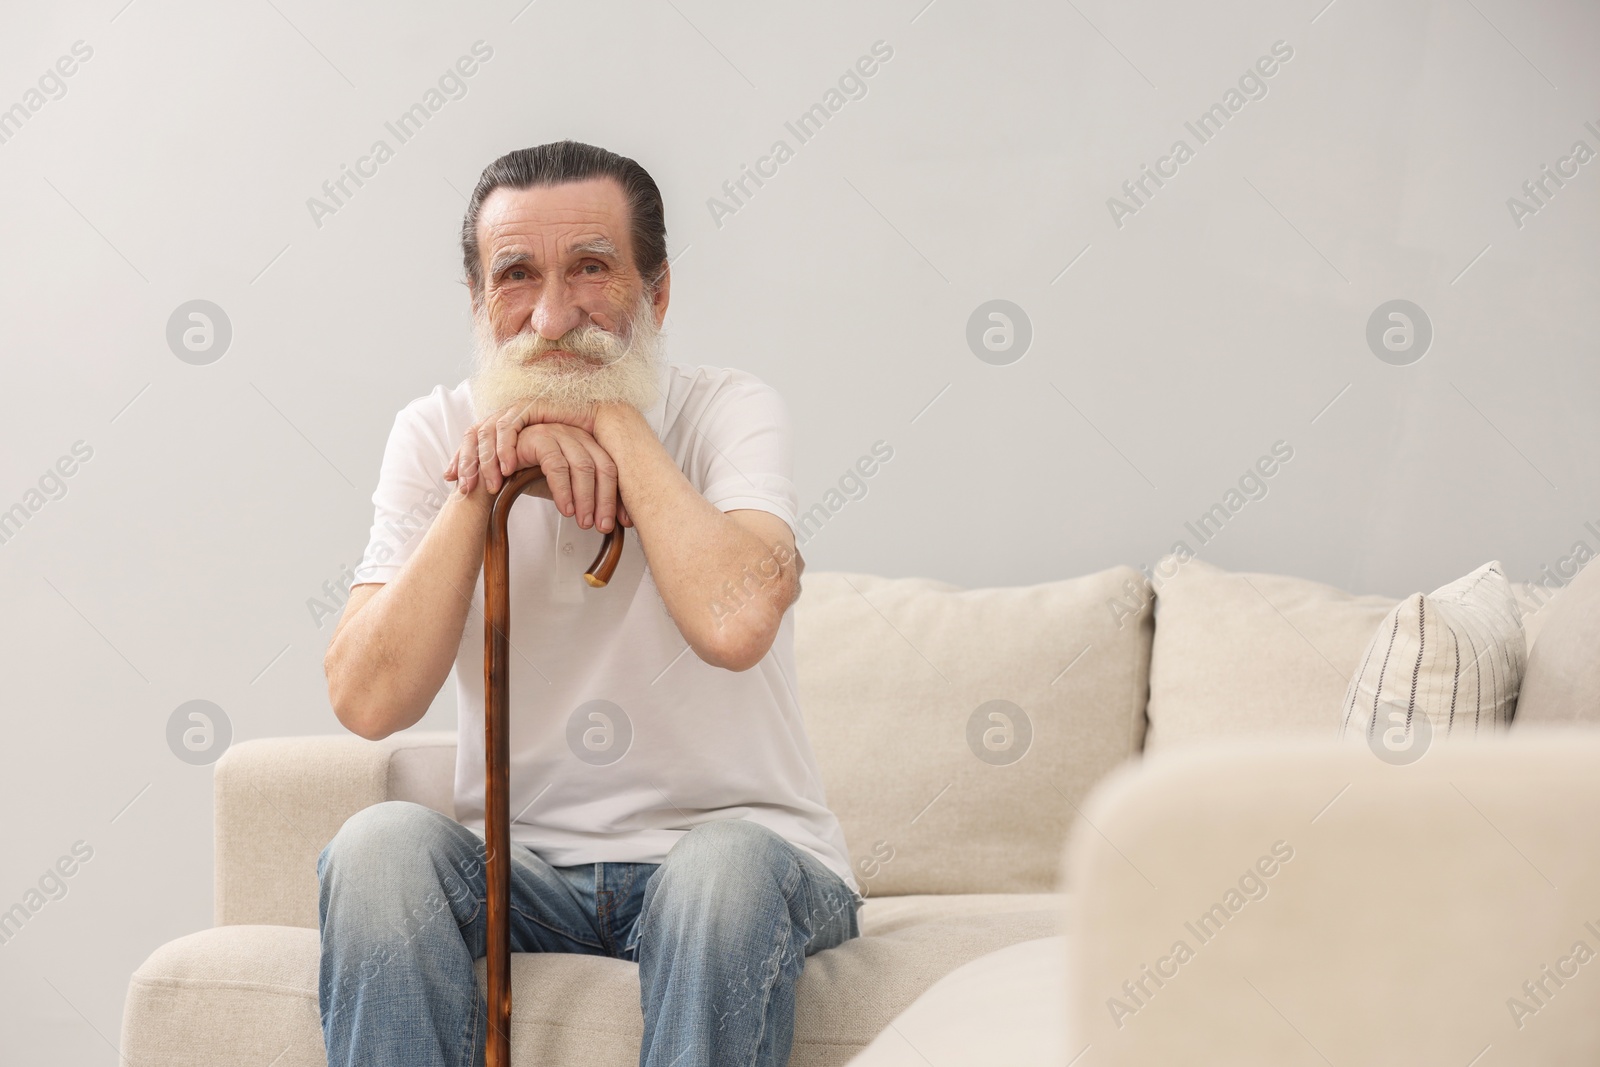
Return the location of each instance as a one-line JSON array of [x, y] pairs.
[[738, 648], [354, 717], [351, 711], [736, 656], [363, 725], [742, 637]]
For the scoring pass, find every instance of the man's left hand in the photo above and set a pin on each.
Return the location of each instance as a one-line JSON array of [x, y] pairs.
[[497, 436]]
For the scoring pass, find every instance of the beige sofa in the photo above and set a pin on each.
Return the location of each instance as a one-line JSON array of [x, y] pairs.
[[958, 855], [1442, 911], [959, 734]]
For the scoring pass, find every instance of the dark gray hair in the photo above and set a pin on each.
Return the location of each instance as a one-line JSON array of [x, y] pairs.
[[570, 161]]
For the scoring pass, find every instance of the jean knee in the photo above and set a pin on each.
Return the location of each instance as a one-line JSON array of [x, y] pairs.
[[728, 860], [394, 843], [386, 827]]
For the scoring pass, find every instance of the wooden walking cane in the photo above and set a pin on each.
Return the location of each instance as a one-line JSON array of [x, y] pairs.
[[497, 757]]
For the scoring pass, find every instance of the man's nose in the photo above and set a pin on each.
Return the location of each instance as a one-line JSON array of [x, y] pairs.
[[556, 313]]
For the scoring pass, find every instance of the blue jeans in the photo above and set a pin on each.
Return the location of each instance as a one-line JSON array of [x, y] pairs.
[[720, 930]]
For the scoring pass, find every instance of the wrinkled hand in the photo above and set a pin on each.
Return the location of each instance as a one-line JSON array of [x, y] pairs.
[[579, 475], [495, 438]]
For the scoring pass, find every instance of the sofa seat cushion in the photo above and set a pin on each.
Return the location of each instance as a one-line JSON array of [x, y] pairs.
[[1004, 1007], [245, 994]]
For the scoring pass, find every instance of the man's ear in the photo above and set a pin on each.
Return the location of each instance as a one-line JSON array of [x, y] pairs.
[[663, 293]]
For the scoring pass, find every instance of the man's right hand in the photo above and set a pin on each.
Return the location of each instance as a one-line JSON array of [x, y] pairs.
[[579, 475]]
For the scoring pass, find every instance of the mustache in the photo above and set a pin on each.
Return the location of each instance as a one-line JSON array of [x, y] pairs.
[[588, 341]]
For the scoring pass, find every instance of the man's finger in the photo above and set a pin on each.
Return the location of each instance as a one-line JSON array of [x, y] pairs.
[[467, 462], [556, 474], [605, 485], [582, 474], [488, 465], [506, 428]]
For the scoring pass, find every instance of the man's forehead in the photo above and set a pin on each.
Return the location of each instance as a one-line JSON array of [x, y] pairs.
[[590, 216]]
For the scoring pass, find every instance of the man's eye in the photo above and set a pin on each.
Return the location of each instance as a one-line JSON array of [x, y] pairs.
[[596, 266]]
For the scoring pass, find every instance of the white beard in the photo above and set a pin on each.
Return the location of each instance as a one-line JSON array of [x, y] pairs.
[[628, 369]]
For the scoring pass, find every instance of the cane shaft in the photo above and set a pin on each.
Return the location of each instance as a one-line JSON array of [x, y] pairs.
[[497, 751]]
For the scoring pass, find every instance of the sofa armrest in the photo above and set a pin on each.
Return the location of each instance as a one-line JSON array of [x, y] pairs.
[[1303, 902], [280, 800]]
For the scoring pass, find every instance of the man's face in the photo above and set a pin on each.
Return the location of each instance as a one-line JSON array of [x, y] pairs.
[[563, 315]]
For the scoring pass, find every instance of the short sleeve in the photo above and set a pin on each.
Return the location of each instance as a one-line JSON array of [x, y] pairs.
[[749, 453], [411, 491]]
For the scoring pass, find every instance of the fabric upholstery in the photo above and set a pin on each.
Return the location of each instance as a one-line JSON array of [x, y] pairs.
[[1453, 657], [1241, 655], [892, 673], [1562, 681], [1417, 902], [279, 800], [239, 996], [1003, 1008], [1533, 620]]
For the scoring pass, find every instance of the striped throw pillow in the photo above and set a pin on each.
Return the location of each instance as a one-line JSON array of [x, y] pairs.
[[1442, 664]]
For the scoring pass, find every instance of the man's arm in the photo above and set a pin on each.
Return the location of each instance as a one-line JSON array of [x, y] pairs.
[[726, 578], [396, 641]]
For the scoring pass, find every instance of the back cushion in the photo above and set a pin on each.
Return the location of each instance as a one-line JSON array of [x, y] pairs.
[[956, 728], [1251, 655], [1562, 681]]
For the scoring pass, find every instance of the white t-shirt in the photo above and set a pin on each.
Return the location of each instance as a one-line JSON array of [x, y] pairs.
[[621, 738]]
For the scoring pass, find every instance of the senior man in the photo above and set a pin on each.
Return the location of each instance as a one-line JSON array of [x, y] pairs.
[[666, 807]]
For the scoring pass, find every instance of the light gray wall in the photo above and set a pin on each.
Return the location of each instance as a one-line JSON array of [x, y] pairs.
[[1169, 351]]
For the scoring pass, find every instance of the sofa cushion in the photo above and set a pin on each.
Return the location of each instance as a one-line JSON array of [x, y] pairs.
[[1003, 1008], [1441, 664], [1562, 681], [1244, 654], [956, 728], [247, 995]]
